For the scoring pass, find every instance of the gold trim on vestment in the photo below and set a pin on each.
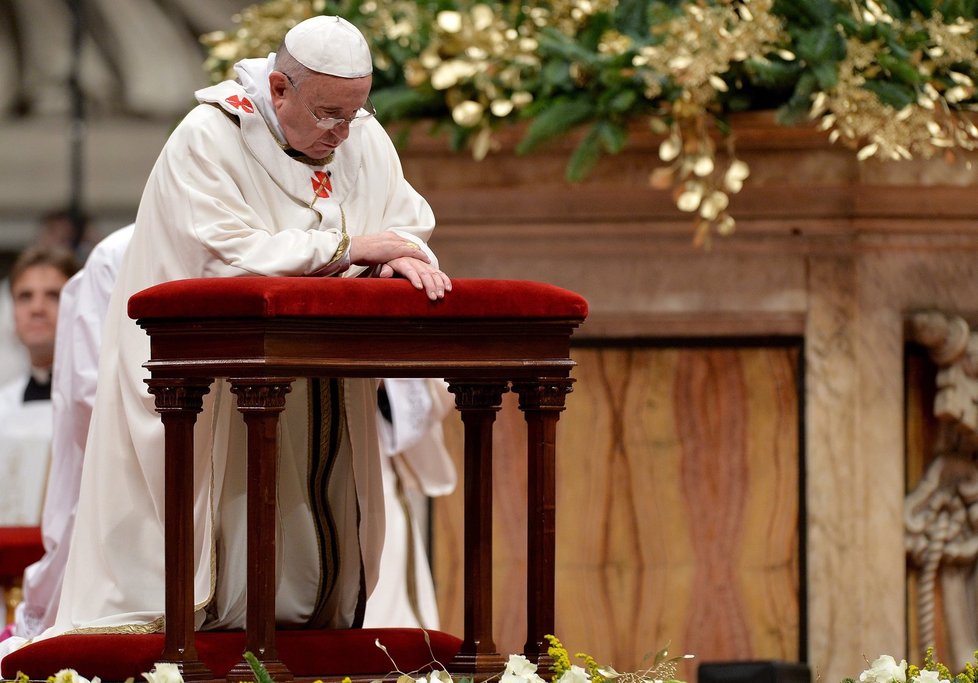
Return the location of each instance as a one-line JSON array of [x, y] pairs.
[[155, 626], [344, 244]]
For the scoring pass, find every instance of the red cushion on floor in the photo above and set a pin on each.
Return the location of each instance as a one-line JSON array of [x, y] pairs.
[[271, 297], [336, 653], [20, 546]]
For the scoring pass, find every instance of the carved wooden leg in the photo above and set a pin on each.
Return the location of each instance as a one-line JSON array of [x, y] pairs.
[[478, 402], [178, 401], [541, 403], [261, 401]]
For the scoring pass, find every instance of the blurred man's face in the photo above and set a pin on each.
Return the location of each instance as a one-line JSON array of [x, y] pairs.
[[36, 293]]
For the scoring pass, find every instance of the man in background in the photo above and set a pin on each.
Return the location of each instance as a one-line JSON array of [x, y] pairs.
[[81, 313], [36, 281], [62, 229]]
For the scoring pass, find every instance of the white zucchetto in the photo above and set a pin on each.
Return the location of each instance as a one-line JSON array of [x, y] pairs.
[[330, 45]]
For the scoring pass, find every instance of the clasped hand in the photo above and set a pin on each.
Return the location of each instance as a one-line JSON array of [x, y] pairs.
[[396, 255]]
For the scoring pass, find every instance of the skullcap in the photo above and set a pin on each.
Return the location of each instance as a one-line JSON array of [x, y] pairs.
[[330, 45]]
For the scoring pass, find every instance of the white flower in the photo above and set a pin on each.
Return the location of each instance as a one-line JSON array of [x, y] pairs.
[[885, 670], [467, 113], [575, 674], [690, 198], [703, 166], [670, 148], [518, 665], [501, 108], [71, 676], [926, 676], [449, 22], [164, 672], [519, 669]]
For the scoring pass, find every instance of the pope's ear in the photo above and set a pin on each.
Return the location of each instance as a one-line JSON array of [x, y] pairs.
[[277, 84]]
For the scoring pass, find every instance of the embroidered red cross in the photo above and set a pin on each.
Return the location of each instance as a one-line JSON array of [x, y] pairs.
[[241, 103], [321, 184]]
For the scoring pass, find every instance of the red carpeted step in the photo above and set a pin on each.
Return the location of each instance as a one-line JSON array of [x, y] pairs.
[[333, 653], [20, 546]]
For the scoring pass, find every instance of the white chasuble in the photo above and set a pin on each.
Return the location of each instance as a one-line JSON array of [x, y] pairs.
[[224, 199]]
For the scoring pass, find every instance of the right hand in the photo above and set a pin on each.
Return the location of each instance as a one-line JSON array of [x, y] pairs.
[[384, 247]]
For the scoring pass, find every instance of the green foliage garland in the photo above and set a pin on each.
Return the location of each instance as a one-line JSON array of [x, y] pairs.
[[893, 79]]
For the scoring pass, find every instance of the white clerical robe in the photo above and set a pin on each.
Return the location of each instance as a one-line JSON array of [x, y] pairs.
[[25, 447], [224, 199], [81, 313], [416, 465]]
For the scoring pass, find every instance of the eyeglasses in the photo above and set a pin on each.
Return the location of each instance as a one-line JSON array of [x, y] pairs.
[[329, 122]]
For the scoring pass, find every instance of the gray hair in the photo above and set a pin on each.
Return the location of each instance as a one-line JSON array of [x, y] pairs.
[[290, 66]]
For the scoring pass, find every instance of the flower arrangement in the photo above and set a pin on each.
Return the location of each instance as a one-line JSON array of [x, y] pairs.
[[893, 79], [886, 670], [163, 672], [518, 670], [521, 670]]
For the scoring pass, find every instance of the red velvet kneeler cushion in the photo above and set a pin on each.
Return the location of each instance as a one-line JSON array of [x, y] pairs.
[[336, 297], [326, 653], [20, 546]]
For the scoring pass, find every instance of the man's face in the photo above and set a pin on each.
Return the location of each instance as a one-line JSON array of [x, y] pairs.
[[36, 293], [322, 96]]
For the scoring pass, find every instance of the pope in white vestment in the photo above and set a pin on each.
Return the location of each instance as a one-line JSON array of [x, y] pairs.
[[253, 182]]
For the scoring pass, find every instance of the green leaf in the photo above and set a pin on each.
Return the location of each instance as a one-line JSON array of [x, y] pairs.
[[257, 668], [557, 119], [900, 69], [850, 25], [556, 76], [826, 74], [612, 135], [553, 43], [893, 94], [660, 656], [810, 12], [401, 102], [772, 73], [622, 101], [590, 34], [458, 136], [796, 109], [401, 137], [631, 18], [820, 45], [585, 156]]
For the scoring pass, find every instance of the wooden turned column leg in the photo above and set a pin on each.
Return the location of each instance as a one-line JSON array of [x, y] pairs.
[[541, 403], [261, 401], [478, 402], [178, 401]]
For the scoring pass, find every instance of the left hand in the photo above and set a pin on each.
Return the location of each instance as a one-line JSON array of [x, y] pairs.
[[420, 274]]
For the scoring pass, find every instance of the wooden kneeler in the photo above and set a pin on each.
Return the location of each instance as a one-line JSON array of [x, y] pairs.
[[261, 333]]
